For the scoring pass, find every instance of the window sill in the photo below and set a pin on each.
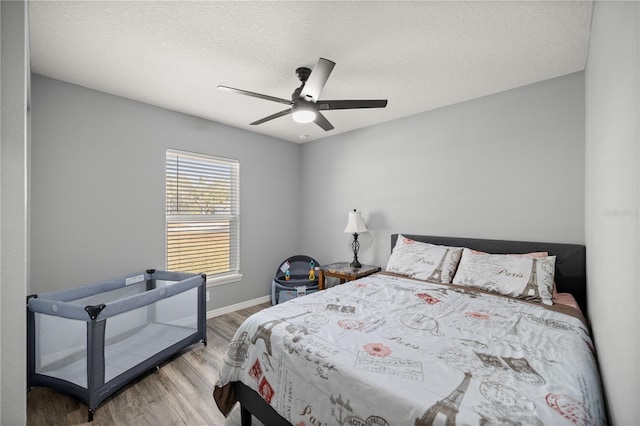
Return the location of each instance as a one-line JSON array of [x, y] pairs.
[[224, 279]]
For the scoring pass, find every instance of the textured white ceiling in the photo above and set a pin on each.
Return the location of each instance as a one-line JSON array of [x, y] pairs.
[[418, 55]]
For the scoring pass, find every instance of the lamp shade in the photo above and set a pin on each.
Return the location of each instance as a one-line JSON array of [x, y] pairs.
[[356, 223]]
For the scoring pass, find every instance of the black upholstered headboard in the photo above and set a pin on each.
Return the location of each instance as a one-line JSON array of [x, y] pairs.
[[571, 259]]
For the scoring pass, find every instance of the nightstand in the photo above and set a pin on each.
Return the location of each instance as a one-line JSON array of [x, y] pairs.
[[344, 272]]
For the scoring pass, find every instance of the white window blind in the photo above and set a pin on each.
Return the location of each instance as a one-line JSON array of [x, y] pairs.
[[203, 214]]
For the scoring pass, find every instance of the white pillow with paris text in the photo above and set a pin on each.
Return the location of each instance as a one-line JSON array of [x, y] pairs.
[[527, 278], [424, 261]]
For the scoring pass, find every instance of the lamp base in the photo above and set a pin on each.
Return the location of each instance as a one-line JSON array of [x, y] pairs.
[[355, 245]]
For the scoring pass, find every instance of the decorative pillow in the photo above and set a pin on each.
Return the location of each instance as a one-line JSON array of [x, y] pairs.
[[528, 278], [424, 261], [537, 254]]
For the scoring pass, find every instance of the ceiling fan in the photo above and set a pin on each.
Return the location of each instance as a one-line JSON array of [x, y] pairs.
[[304, 104]]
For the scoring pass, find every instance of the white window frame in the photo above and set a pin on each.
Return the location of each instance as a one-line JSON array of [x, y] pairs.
[[228, 218]]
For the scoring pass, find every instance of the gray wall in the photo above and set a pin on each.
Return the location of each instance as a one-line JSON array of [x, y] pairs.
[[14, 224], [612, 191], [98, 166], [506, 166]]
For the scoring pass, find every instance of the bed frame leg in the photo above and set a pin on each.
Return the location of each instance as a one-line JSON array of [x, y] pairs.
[[245, 416], [91, 413]]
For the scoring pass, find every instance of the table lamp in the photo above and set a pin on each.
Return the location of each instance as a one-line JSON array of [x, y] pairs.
[[355, 226]]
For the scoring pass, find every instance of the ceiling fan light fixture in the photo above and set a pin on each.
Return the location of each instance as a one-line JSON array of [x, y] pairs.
[[303, 113]]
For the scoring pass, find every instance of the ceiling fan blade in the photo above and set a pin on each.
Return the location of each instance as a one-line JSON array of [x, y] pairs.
[[272, 116], [319, 76], [322, 121], [351, 104], [256, 95]]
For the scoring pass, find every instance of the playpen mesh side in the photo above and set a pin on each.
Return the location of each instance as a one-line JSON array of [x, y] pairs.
[[131, 337], [61, 348], [134, 336]]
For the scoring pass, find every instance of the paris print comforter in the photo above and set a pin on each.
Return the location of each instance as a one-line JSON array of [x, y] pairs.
[[387, 350]]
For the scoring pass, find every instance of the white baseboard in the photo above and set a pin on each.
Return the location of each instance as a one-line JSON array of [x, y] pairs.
[[232, 308]]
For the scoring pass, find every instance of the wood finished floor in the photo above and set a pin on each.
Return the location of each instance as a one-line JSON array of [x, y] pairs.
[[179, 393]]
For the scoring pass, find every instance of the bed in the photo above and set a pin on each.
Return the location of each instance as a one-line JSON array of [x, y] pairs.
[[428, 341]]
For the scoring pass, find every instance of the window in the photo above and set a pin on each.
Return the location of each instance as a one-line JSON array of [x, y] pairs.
[[203, 215]]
